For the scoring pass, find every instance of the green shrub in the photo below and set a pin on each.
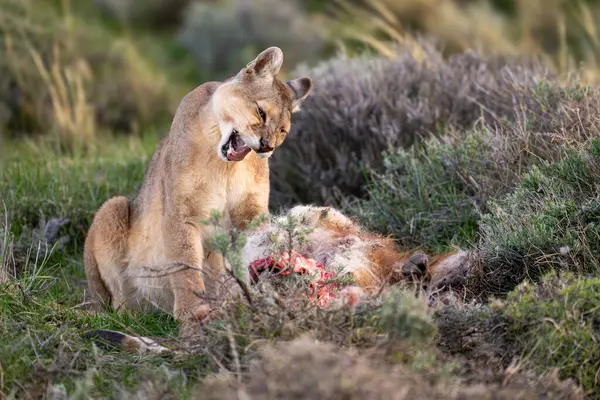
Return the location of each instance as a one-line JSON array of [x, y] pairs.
[[405, 317], [429, 197], [549, 222], [556, 324], [433, 195]]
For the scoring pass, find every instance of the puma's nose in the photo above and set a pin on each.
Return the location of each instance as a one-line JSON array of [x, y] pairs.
[[264, 146]]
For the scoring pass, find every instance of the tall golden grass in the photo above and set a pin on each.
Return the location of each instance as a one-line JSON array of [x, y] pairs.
[[73, 78], [563, 32]]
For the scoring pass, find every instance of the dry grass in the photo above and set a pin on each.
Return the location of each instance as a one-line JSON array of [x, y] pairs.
[[306, 369], [564, 33], [71, 79]]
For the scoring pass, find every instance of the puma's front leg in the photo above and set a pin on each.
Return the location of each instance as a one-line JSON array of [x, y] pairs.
[[184, 245]]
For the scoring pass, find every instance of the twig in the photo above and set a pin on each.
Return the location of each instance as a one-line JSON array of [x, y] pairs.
[[244, 288], [216, 360], [2, 397], [282, 305], [235, 355], [174, 268]]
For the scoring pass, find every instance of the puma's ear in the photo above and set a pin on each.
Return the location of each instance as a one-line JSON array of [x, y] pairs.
[[299, 89], [266, 63]]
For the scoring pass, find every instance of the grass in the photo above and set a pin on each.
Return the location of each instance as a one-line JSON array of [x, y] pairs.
[[41, 326], [35, 186], [42, 303], [563, 33]]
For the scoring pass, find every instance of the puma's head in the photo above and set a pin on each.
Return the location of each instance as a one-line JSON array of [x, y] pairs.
[[254, 108]]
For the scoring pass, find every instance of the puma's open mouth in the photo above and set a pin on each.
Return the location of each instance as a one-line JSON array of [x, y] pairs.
[[235, 149]]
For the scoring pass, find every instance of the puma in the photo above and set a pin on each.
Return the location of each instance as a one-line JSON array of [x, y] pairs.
[[214, 158]]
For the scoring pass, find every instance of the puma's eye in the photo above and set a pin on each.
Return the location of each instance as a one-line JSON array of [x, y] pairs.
[[262, 114]]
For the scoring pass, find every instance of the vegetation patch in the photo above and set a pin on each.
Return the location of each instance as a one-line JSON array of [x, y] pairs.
[[41, 350], [363, 106], [555, 325], [549, 222], [37, 186], [434, 145], [433, 195]]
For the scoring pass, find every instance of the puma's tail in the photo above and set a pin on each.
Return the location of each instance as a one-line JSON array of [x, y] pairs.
[[108, 339]]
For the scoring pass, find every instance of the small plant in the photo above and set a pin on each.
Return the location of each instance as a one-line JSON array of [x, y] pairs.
[[406, 317], [230, 245], [296, 235], [555, 325]]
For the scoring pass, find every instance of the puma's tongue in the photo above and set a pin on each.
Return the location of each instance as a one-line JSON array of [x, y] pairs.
[[237, 149]]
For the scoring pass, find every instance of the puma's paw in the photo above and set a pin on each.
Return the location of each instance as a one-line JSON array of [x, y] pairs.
[[201, 313], [191, 325], [196, 313]]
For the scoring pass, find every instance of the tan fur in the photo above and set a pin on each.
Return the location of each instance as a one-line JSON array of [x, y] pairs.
[[152, 252]]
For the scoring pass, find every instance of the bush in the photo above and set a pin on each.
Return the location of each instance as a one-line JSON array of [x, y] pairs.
[[430, 198], [280, 310], [225, 36], [555, 325], [433, 195], [71, 77], [549, 222], [345, 125]]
